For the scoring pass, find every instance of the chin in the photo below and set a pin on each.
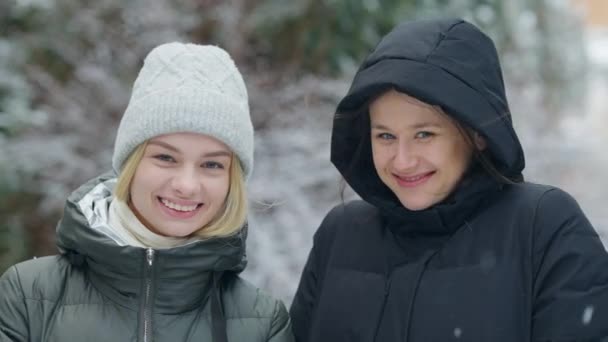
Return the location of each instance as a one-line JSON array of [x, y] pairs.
[[175, 233], [182, 234], [416, 206]]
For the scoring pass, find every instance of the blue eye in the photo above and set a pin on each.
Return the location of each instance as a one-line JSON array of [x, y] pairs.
[[164, 158], [212, 165], [424, 135], [385, 136]]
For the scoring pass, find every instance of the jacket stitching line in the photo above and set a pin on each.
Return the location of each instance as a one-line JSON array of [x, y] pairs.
[[275, 309], [111, 304], [442, 37], [501, 117]]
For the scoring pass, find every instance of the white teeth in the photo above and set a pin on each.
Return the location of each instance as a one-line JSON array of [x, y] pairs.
[[412, 179], [178, 207]]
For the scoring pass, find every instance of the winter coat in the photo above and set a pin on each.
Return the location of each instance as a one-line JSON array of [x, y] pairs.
[[492, 262], [100, 291]]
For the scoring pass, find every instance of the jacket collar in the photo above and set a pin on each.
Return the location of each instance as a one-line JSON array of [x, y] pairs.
[[447, 216], [180, 277]]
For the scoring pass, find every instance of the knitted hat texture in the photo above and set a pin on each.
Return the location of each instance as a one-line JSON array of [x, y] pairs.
[[187, 88]]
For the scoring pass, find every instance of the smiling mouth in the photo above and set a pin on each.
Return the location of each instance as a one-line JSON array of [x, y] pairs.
[[414, 180], [178, 207]]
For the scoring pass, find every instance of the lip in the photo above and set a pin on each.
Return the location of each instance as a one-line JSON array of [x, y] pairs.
[[413, 181], [179, 214]]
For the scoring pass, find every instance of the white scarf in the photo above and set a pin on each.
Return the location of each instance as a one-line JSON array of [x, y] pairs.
[[128, 230]]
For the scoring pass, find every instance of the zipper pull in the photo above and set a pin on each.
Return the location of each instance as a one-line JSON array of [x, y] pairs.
[[150, 256]]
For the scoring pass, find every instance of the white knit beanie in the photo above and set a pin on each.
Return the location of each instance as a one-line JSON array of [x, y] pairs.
[[187, 88]]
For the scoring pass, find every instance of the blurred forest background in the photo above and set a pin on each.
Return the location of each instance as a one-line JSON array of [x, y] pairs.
[[67, 67]]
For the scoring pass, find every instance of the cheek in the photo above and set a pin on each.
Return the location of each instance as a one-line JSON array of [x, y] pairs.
[[380, 156], [137, 196], [135, 189], [145, 181], [219, 186], [460, 156], [140, 184]]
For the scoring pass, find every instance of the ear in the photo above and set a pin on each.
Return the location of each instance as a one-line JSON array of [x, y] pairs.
[[479, 141]]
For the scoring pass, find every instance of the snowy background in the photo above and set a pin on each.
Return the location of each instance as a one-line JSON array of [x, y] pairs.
[[67, 66]]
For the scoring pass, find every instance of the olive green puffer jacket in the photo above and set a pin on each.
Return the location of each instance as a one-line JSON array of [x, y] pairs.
[[100, 291]]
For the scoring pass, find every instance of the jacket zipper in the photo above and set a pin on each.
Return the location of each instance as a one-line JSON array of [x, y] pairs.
[[146, 311]]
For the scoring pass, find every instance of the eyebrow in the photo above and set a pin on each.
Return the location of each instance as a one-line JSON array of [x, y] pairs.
[[414, 126], [220, 153], [163, 144], [217, 154]]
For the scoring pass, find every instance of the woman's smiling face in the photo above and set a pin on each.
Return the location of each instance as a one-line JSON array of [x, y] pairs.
[[181, 183], [418, 151]]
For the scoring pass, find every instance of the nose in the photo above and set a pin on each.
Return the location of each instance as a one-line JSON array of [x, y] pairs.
[[185, 182], [405, 158]]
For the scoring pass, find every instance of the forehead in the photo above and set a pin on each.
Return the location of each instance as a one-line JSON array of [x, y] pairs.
[[393, 108]]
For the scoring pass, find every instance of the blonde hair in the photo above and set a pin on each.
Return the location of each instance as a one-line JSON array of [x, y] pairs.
[[228, 221]]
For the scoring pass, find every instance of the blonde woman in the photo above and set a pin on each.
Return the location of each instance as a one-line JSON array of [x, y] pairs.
[[152, 251]]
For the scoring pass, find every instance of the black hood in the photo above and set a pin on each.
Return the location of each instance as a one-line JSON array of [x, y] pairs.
[[445, 62]]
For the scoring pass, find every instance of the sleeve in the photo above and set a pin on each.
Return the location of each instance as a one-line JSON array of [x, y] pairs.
[[304, 302], [570, 300], [280, 330], [13, 315]]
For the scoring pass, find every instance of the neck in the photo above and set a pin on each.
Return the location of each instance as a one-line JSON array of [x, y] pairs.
[[130, 229]]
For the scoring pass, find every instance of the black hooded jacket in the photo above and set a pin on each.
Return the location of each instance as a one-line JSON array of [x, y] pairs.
[[492, 262]]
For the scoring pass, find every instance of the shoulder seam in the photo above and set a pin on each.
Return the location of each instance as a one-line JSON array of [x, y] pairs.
[[442, 36]]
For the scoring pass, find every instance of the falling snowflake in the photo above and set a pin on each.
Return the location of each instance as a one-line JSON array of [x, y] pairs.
[[587, 314]]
